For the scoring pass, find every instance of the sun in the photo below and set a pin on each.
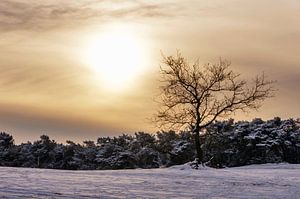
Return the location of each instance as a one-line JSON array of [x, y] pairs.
[[116, 57]]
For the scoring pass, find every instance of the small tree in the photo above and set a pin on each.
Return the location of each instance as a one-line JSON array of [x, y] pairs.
[[194, 96]]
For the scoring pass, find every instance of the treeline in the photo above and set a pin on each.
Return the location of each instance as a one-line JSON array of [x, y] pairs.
[[225, 143]]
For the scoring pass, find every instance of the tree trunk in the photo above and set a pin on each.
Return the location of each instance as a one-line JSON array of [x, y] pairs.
[[199, 154]]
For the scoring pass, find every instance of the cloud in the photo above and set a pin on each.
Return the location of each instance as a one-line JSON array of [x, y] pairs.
[[30, 15], [41, 72], [41, 79], [32, 122]]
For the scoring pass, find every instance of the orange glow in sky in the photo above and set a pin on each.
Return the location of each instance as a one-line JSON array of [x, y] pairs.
[[82, 69]]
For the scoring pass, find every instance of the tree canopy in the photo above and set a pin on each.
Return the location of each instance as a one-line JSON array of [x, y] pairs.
[[193, 96]]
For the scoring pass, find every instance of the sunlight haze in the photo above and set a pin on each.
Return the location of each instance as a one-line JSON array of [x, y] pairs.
[[82, 69]]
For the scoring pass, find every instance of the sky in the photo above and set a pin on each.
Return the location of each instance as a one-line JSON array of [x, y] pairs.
[[64, 74]]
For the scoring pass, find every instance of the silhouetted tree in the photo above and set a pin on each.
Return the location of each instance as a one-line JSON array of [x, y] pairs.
[[194, 96]]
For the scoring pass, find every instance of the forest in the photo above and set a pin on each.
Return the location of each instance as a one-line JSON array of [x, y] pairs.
[[224, 144]]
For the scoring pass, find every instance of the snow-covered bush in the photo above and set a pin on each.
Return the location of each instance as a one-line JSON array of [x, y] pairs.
[[147, 158], [253, 142], [175, 148]]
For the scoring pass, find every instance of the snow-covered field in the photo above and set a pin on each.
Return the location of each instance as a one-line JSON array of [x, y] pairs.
[[256, 181]]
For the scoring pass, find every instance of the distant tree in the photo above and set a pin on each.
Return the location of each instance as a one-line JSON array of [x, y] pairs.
[[194, 96], [144, 139], [89, 143], [42, 149], [6, 140]]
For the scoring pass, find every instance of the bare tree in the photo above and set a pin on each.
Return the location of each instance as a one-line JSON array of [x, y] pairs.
[[194, 96]]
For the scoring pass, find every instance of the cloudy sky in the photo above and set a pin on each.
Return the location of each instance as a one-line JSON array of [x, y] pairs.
[[55, 76]]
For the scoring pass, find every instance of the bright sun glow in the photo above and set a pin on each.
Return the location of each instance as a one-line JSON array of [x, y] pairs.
[[116, 56]]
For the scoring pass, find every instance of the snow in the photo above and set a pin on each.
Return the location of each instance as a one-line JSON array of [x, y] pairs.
[[254, 181]]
